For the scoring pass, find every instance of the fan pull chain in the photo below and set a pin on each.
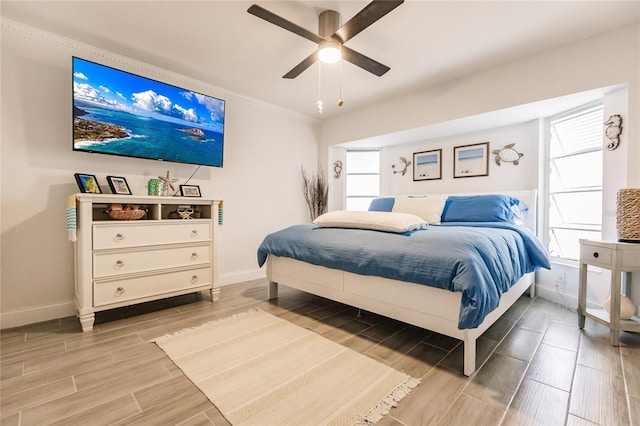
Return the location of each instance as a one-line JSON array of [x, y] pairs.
[[319, 104], [340, 100]]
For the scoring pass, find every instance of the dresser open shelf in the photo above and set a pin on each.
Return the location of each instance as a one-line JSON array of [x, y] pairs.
[[124, 262]]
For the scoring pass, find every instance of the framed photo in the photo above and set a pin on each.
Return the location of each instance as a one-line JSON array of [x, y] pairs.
[[471, 160], [427, 165], [190, 191], [88, 183], [118, 185]]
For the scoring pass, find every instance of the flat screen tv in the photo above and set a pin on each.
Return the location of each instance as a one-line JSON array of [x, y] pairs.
[[119, 113]]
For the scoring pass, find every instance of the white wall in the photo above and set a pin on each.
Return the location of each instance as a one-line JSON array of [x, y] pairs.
[[260, 182], [507, 176], [612, 59], [570, 69]]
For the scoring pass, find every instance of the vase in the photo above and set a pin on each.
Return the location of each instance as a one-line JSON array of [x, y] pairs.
[[155, 187], [628, 215]]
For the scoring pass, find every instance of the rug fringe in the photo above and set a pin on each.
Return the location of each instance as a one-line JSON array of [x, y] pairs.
[[190, 329], [388, 402]]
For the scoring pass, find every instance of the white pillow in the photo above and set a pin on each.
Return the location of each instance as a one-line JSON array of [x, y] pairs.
[[377, 221], [428, 208]]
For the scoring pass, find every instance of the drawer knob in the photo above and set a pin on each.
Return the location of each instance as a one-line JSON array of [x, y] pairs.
[[119, 264], [119, 291], [194, 232], [194, 279], [596, 254], [119, 237], [194, 256]]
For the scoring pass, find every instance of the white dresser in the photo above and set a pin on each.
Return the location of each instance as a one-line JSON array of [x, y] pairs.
[[123, 262]]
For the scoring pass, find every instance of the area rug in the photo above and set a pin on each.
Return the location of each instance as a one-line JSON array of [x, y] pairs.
[[258, 369]]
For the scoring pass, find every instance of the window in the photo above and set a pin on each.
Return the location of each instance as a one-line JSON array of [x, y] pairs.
[[575, 180], [362, 179]]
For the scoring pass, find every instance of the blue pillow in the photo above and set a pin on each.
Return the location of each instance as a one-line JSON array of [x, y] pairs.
[[479, 208], [382, 204]]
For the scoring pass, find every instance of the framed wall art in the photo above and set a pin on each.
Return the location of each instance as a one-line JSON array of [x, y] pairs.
[[190, 191], [87, 183], [471, 160], [118, 185], [427, 165]]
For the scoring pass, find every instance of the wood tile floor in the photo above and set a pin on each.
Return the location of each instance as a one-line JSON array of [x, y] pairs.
[[538, 367]]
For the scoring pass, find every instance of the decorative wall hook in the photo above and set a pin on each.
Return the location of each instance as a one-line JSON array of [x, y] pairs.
[[613, 131], [337, 169], [401, 166], [508, 154]]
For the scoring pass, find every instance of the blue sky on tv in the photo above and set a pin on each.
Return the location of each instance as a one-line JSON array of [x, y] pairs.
[[110, 88]]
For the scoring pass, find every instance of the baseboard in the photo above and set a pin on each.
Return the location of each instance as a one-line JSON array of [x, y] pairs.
[[561, 298], [239, 277], [42, 313], [35, 314]]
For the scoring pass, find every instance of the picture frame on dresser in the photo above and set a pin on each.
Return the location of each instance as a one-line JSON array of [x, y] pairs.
[[118, 185], [471, 160], [190, 191], [87, 183]]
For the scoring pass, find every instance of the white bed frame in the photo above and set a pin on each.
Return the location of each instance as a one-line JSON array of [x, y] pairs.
[[420, 305]]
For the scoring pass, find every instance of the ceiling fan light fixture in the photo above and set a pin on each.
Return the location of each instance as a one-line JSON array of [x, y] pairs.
[[329, 52]]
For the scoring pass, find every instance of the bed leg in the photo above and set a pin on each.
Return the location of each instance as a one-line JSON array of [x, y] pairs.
[[469, 356], [273, 290], [532, 290]]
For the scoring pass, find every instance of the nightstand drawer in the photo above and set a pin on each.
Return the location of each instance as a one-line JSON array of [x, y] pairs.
[[595, 255], [631, 258], [111, 264]]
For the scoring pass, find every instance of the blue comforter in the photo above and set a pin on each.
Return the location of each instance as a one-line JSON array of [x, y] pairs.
[[481, 260]]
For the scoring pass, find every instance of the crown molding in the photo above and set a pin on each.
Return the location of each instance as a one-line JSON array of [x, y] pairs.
[[132, 65]]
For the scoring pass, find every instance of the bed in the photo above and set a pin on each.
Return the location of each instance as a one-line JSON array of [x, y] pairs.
[[391, 261]]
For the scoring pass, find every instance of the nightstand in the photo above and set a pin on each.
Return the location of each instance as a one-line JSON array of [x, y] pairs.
[[618, 258]]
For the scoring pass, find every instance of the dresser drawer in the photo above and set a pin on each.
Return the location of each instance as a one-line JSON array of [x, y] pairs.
[[595, 255], [111, 264], [114, 235], [117, 291]]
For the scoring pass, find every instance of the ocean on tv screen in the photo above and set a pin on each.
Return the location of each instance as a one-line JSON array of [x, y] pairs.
[[121, 133], [119, 113]]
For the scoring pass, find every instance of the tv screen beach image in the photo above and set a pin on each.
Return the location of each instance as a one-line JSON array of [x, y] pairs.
[[119, 113]]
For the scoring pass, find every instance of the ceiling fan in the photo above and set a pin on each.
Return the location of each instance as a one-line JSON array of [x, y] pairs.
[[331, 37]]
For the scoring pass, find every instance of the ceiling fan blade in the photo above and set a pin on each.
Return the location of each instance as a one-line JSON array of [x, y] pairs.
[[306, 63], [367, 16], [283, 23], [364, 62]]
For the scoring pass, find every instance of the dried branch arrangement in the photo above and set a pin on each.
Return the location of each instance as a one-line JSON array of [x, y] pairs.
[[316, 192]]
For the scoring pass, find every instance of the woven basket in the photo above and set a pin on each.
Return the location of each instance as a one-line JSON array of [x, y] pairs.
[[126, 214], [628, 215]]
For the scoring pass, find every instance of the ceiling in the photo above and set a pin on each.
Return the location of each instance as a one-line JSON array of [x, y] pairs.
[[424, 42]]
